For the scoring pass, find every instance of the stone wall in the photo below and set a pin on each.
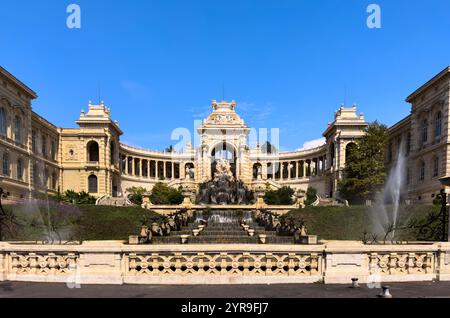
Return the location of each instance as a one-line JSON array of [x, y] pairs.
[[118, 263]]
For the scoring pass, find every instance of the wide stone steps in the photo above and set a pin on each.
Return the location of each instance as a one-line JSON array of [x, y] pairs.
[[227, 233]]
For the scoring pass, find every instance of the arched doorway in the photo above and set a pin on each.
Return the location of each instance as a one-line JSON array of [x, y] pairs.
[[223, 151]]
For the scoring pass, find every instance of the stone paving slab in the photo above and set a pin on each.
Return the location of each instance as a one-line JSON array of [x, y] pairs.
[[398, 290]]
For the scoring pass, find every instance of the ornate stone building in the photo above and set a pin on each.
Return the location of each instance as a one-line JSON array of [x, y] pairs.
[[38, 157]]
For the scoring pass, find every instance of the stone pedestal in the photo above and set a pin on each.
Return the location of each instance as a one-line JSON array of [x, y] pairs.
[[100, 263], [308, 240], [133, 240]]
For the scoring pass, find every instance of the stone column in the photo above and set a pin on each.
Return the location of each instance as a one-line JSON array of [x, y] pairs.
[[156, 170], [133, 168], [148, 169], [173, 170]]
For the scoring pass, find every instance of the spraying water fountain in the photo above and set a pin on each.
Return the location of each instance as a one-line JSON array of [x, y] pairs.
[[386, 209]]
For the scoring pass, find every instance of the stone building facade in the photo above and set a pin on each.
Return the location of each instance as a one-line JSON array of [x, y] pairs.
[[39, 158], [422, 139]]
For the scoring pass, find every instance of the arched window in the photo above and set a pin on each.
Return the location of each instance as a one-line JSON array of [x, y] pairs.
[[438, 125], [17, 129], [2, 121], [92, 184], [5, 165], [424, 134], [19, 169], [422, 171], [93, 152], [190, 171], [436, 166]]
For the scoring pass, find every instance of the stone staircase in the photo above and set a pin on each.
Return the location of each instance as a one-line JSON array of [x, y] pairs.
[[224, 233]]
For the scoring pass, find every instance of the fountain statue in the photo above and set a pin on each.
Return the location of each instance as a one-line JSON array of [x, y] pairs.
[[224, 189]]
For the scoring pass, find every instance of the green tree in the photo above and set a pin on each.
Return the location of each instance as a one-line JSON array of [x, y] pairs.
[[163, 194], [282, 196], [136, 194], [365, 173]]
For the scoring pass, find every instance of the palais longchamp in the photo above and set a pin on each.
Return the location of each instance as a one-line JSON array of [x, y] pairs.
[[39, 157]]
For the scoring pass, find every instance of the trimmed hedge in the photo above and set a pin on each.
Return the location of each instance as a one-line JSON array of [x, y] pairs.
[[81, 222]]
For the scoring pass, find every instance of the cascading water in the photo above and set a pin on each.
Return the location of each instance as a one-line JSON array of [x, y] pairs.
[[386, 208]]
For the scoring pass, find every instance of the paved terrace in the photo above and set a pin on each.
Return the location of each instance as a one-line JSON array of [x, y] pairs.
[[398, 290]]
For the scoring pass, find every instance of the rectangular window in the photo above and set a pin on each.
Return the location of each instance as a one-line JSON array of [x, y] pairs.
[[436, 167], [34, 141], [53, 150], [422, 172]]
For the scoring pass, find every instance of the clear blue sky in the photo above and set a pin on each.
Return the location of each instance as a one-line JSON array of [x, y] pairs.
[[287, 63]]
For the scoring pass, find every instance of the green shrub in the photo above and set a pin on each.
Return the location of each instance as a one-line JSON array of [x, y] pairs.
[[73, 197], [311, 196]]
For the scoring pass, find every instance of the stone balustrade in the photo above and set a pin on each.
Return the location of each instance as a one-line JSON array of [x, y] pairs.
[[118, 263]]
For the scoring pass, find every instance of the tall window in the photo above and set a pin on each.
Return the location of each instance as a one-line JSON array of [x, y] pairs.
[[34, 141], [408, 176], [408, 144], [53, 150], [54, 180], [44, 146], [390, 152], [93, 152], [92, 184], [438, 125], [19, 169], [46, 178], [2, 121], [422, 171], [36, 175], [424, 137], [436, 167], [17, 129], [5, 165]]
